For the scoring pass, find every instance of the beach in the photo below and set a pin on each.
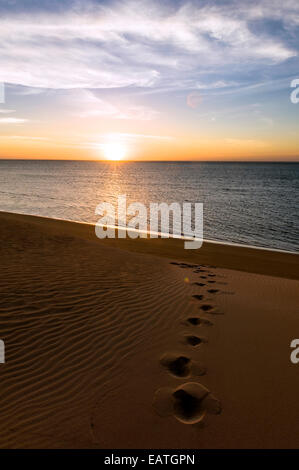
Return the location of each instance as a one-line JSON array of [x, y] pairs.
[[107, 340]]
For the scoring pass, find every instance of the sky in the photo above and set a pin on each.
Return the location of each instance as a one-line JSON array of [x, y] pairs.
[[149, 80]]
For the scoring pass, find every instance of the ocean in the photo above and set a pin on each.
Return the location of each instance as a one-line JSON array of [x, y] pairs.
[[246, 203]]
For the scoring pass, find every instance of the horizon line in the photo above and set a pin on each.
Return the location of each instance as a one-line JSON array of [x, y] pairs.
[[147, 161]]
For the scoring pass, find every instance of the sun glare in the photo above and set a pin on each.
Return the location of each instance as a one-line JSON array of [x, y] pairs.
[[114, 151]]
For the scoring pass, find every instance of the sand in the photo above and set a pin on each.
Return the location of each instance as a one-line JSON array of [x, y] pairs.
[[142, 344]]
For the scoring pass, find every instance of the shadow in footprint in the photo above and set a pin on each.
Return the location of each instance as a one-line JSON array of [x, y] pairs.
[[192, 402], [176, 365], [194, 340], [188, 403], [209, 309], [206, 307], [213, 291], [197, 296], [199, 321], [180, 365]]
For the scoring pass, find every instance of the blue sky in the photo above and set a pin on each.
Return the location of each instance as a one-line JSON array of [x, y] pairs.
[[206, 67]]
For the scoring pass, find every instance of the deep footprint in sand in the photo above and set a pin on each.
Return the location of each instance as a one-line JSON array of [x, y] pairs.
[[188, 403], [210, 310], [213, 291], [195, 321], [181, 365], [206, 307], [176, 365], [199, 284], [198, 296], [194, 340]]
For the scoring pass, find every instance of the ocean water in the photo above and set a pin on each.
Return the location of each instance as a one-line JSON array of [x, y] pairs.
[[246, 203]]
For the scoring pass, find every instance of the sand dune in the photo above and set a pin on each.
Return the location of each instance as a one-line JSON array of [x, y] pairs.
[[107, 347]]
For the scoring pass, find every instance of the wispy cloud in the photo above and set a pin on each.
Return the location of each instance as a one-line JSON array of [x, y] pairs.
[[85, 104], [24, 137], [106, 109], [12, 120], [107, 45], [130, 136], [101, 140]]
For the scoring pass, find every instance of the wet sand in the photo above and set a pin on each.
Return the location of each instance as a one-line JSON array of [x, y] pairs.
[[142, 344]]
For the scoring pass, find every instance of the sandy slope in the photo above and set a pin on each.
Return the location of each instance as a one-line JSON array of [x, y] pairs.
[[102, 343]]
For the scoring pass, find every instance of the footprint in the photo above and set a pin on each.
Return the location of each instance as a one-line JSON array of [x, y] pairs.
[[199, 284], [194, 340], [211, 282], [198, 296], [213, 291], [211, 275], [199, 321], [209, 309], [176, 365], [181, 366], [206, 307], [188, 403], [203, 277]]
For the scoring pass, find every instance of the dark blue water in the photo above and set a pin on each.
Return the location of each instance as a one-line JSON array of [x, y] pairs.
[[247, 203]]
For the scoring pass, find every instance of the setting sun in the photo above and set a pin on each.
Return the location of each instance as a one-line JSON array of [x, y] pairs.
[[114, 151]]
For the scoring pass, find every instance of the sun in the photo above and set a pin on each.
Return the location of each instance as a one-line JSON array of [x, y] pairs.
[[114, 151]]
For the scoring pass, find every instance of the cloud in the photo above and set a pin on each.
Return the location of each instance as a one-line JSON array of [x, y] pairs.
[[23, 137], [12, 120], [130, 136], [28, 91], [7, 111], [115, 44], [216, 85], [106, 109], [123, 138], [86, 104]]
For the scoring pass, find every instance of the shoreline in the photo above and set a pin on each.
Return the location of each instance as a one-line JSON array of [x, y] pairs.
[[182, 237], [252, 259]]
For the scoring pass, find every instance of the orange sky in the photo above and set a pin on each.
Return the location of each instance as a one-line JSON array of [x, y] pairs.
[[143, 148]]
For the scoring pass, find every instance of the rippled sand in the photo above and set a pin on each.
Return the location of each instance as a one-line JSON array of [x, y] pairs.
[[111, 348]]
